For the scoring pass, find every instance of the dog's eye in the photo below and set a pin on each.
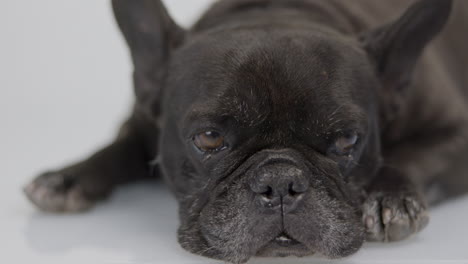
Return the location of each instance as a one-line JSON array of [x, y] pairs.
[[345, 143], [209, 141]]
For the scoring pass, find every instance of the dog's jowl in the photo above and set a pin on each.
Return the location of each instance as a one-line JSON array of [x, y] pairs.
[[288, 127]]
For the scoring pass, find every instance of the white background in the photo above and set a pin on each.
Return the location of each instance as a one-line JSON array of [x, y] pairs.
[[64, 87]]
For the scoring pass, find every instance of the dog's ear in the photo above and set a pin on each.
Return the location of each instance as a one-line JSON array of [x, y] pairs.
[[396, 47], [151, 35]]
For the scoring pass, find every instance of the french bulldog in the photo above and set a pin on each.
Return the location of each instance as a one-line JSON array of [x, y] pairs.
[[288, 127]]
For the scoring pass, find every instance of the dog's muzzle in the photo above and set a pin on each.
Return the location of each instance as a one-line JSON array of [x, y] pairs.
[[279, 183]]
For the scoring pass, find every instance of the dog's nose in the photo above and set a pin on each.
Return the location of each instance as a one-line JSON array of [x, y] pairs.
[[279, 187]]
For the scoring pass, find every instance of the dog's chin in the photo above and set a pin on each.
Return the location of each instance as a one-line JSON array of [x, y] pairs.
[[284, 246]]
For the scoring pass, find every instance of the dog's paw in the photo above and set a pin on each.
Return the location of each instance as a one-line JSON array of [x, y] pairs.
[[393, 217], [57, 192]]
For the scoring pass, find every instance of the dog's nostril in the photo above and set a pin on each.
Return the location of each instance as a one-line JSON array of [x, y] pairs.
[[296, 189], [292, 192], [268, 194]]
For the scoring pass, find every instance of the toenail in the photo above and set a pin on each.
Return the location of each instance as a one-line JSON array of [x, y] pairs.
[[386, 215], [370, 222]]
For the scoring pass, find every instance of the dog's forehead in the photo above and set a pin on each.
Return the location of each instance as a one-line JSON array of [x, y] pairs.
[[288, 77]]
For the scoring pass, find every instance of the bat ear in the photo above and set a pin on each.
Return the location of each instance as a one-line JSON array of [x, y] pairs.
[[151, 35], [396, 47]]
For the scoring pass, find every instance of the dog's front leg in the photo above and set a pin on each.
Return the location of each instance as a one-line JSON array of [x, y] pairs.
[[78, 187], [396, 205]]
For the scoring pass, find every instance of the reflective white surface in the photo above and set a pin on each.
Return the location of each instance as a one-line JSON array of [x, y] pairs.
[[64, 87]]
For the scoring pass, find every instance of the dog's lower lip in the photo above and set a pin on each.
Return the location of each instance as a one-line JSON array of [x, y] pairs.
[[285, 240], [284, 245]]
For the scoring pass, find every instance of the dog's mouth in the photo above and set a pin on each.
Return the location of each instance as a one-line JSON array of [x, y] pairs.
[[284, 245], [285, 240]]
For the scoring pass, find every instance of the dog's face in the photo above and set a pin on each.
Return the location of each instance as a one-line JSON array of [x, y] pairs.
[[266, 142], [268, 135]]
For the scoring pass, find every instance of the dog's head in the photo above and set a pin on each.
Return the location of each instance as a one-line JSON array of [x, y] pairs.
[[269, 133]]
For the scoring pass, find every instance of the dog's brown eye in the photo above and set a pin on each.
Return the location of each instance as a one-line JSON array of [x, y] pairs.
[[345, 144], [209, 141]]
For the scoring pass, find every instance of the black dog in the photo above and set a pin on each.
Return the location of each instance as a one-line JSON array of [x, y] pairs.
[[288, 127]]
